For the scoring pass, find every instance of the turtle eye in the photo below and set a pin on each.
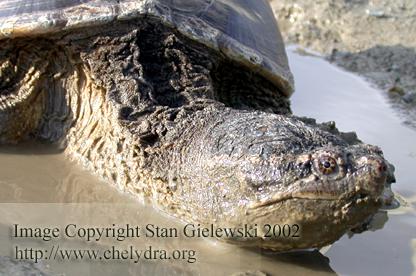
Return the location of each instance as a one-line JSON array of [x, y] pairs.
[[327, 165]]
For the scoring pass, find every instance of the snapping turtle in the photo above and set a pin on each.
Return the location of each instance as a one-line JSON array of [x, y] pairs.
[[184, 103]]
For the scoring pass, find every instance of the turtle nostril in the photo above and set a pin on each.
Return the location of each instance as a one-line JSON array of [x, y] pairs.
[[378, 165], [382, 166]]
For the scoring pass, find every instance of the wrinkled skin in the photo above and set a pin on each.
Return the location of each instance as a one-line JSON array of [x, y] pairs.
[[202, 138]]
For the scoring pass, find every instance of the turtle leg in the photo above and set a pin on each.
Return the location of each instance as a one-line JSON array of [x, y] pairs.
[[34, 78], [22, 78]]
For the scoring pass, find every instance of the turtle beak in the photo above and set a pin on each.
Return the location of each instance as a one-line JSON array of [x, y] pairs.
[[376, 172]]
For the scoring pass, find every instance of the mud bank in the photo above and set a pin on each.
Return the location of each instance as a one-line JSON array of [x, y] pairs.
[[374, 38]]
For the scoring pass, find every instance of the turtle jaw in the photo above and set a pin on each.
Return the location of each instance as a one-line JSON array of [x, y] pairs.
[[366, 181], [362, 192], [323, 214], [312, 223], [314, 220]]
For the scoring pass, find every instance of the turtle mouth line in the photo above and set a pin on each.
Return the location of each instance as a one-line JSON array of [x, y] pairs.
[[282, 198], [354, 197]]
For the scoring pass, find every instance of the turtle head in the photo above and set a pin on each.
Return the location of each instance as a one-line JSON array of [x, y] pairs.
[[268, 169]]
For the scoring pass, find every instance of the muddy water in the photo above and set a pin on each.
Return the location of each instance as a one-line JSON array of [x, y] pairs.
[[327, 93], [39, 187]]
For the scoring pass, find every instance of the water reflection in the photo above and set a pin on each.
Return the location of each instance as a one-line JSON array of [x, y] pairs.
[[40, 173]]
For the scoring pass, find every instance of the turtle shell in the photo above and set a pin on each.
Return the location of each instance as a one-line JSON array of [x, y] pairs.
[[243, 30]]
